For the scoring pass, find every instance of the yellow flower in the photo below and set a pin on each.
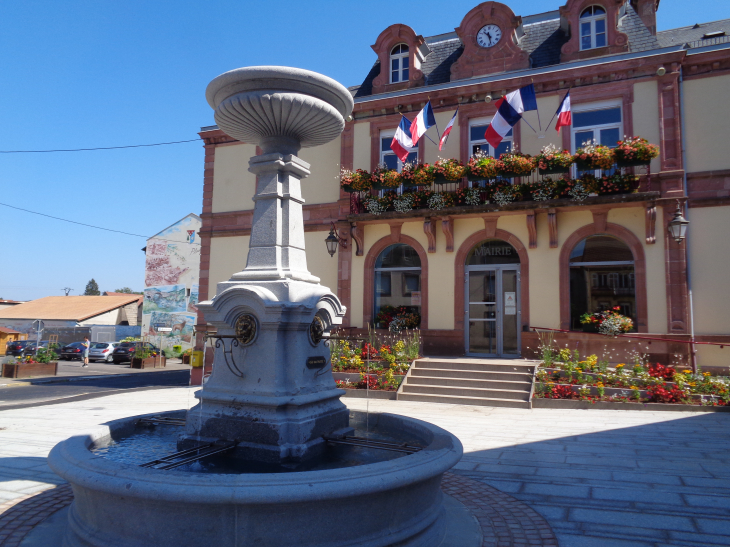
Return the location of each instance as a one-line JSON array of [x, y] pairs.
[[620, 365], [634, 387], [599, 384], [687, 371], [706, 374]]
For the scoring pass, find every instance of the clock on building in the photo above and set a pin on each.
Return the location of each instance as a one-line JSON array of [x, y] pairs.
[[489, 35]]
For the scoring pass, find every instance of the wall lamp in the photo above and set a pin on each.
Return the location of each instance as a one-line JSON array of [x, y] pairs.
[[334, 240], [678, 225]]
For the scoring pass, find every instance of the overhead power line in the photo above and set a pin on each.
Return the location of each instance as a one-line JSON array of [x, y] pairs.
[[90, 149], [89, 225]]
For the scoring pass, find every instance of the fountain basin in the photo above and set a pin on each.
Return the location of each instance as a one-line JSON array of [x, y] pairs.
[[395, 502]]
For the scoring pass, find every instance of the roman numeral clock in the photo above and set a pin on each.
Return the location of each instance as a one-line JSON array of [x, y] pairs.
[[489, 35]]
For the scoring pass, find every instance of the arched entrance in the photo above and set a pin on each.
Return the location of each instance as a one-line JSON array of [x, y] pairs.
[[492, 310]]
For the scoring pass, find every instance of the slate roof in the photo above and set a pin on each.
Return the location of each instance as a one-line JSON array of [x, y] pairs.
[[692, 36], [67, 308], [543, 40]]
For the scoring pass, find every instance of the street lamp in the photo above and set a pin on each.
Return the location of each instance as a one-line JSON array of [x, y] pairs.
[[678, 225], [333, 240]]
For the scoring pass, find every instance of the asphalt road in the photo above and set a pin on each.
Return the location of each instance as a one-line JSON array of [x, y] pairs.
[[24, 396]]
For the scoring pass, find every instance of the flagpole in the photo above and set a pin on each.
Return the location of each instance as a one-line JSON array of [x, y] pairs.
[[528, 123], [556, 112]]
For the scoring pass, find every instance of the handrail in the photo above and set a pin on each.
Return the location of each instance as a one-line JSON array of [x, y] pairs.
[[722, 345]]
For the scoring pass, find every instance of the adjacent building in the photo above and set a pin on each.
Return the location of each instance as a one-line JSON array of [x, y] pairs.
[[171, 285], [481, 277]]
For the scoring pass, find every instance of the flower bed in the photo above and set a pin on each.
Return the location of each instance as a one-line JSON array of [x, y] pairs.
[[563, 375]]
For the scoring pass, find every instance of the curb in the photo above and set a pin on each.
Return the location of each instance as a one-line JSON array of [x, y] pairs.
[[81, 378], [603, 405]]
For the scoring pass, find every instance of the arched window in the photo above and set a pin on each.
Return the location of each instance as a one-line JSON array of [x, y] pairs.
[[397, 284], [592, 28], [399, 64], [601, 277]]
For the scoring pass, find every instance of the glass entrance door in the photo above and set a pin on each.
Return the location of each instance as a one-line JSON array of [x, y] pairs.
[[492, 311]]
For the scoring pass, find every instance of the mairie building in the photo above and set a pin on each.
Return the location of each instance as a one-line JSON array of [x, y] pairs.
[[481, 278]]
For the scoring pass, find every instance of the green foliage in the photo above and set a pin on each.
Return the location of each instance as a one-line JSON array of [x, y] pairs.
[[131, 339], [126, 290], [92, 288]]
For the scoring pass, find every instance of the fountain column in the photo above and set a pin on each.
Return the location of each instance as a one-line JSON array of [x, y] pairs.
[[272, 390]]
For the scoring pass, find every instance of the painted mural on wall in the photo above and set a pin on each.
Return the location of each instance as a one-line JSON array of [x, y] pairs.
[[171, 285]]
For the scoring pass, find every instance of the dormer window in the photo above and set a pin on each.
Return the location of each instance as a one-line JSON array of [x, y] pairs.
[[399, 64], [592, 28]]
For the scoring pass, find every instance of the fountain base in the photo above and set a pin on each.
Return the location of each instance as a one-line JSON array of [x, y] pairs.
[[394, 502]]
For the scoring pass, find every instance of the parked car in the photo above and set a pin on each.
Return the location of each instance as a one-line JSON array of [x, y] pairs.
[[30, 349], [124, 351], [16, 347], [74, 350], [102, 351]]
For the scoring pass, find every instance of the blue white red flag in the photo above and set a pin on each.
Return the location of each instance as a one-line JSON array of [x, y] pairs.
[[565, 118], [423, 121], [446, 132], [402, 143], [509, 110]]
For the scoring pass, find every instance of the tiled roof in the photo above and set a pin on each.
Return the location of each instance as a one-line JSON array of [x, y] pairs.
[[67, 308], [140, 297], [9, 331], [543, 40], [640, 39], [693, 35]]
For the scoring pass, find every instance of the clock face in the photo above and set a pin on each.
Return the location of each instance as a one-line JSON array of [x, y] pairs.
[[489, 35]]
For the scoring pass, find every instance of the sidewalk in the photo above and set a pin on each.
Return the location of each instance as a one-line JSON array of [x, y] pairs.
[[72, 371], [600, 478]]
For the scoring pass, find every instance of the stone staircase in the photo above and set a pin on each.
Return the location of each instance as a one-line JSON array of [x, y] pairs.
[[466, 381]]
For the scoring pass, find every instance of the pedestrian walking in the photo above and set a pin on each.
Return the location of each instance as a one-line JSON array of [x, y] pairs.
[[86, 344]]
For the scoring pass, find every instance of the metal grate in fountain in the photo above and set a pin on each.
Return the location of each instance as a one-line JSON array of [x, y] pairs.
[[191, 455]]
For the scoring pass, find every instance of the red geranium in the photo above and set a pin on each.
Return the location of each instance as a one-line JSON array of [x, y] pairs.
[[661, 371], [659, 394]]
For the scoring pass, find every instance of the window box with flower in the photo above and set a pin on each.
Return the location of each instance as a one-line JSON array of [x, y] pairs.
[[551, 160], [448, 171], [635, 151], [384, 178], [417, 174], [481, 167], [514, 164], [593, 156], [355, 181]]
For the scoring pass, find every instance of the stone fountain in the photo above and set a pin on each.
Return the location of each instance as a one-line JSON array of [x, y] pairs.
[[271, 394]]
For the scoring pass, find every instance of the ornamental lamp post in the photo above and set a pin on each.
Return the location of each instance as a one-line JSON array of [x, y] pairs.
[[333, 240], [678, 225]]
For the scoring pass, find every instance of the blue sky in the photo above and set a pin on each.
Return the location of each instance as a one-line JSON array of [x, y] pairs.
[[100, 73]]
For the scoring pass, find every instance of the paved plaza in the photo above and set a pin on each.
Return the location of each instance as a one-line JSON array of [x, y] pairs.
[[599, 477]]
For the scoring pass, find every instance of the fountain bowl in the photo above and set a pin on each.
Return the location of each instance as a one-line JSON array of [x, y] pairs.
[[282, 109], [389, 503]]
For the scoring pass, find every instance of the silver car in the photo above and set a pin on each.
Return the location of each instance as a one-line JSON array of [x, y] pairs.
[[101, 351]]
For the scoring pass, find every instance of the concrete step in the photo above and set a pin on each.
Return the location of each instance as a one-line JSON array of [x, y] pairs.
[[477, 365], [472, 374], [464, 382], [466, 392], [457, 400]]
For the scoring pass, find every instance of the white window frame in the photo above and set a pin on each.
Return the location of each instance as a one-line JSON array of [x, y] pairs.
[[589, 107], [592, 20], [399, 57], [389, 134], [482, 142]]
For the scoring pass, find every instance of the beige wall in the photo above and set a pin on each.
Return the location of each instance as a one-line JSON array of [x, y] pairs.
[[709, 251], [646, 115], [233, 185], [431, 151], [322, 186], [227, 256], [634, 219], [707, 118], [361, 148], [531, 143], [319, 262], [113, 317]]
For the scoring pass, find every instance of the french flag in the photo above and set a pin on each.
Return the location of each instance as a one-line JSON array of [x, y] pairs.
[[423, 121], [509, 110], [565, 118], [446, 132], [402, 142]]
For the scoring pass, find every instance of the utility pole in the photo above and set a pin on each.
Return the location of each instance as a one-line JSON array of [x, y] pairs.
[[67, 290]]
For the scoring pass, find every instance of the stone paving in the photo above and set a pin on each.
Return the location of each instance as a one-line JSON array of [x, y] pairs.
[[599, 478]]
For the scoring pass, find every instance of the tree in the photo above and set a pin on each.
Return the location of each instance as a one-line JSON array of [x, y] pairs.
[[92, 288], [127, 290]]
